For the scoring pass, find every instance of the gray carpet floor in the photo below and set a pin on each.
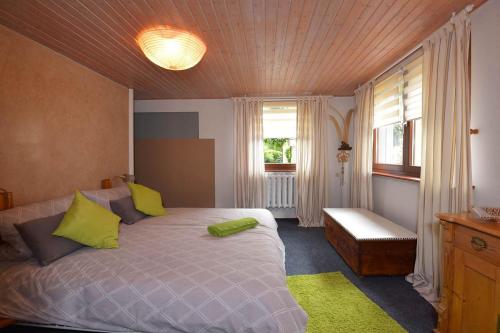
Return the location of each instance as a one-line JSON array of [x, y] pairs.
[[308, 252]]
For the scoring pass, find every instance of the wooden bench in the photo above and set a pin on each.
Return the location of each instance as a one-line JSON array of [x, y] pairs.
[[370, 244]]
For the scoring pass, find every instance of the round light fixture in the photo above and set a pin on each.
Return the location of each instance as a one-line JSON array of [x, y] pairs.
[[171, 48]]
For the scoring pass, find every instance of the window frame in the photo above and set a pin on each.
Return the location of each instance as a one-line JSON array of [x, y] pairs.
[[280, 167], [404, 171]]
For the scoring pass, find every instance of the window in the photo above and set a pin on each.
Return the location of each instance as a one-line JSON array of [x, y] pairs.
[[397, 133], [280, 128]]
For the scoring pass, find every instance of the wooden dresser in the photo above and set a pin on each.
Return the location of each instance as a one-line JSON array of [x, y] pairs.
[[470, 297]]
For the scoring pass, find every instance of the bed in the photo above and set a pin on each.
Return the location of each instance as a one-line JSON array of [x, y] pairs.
[[169, 275]]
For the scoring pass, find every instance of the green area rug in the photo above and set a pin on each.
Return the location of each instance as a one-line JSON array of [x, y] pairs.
[[334, 304]]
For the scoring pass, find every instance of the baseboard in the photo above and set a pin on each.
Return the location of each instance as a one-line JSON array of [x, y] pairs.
[[287, 219], [283, 212]]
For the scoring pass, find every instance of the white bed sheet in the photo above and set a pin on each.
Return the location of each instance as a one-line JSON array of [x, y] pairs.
[[169, 275]]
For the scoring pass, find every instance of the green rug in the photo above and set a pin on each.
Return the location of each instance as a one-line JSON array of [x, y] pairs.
[[334, 304]]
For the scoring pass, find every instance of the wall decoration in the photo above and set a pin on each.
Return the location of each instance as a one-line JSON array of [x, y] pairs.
[[342, 126]]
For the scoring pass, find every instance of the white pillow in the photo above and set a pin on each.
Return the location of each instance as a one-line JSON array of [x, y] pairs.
[[103, 197], [16, 249]]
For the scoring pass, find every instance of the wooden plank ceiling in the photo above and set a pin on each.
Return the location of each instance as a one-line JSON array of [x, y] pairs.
[[255, 47]]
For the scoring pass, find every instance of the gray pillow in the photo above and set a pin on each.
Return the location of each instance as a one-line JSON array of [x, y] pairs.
[[37, 234], [125, 208]]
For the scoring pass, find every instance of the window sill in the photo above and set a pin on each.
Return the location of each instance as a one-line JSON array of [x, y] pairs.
[[392, 175]]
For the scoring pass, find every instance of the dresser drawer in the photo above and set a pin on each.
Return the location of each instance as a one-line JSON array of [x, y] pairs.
[[481, 245]]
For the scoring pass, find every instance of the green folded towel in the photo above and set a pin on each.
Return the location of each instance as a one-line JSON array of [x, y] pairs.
[[232, 227]]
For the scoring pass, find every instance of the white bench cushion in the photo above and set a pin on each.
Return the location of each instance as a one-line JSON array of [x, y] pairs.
[[363, 224]]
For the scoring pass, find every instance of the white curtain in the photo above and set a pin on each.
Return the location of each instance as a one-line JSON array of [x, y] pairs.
[[311, 165], [361, 182], [249, 173], [445, 181]]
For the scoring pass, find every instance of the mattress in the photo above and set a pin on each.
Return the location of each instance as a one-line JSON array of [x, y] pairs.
[[169, 275]]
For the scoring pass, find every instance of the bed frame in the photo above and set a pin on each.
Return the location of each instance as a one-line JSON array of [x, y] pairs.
[[4, 322], [6, 199], [67, 328], [6, 202]]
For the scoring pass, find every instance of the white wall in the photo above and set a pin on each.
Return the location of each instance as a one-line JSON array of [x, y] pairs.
[[485, 50], [216, 122], [343, 105], [396, 200]]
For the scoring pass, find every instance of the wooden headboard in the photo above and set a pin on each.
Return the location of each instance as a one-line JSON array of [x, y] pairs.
[[6, 202], [6, 199]]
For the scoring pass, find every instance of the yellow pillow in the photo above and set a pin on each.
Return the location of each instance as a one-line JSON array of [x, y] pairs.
[[146, 200], [89, 224]]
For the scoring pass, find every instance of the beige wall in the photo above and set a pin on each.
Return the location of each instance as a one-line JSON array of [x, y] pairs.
[[62, 126]]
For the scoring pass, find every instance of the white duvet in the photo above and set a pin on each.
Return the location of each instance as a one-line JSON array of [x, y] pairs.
[[169, 275]]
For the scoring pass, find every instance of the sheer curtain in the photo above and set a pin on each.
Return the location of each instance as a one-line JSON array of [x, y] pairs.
[[361, 182], [445, 181], [249, 173], [311, 166]]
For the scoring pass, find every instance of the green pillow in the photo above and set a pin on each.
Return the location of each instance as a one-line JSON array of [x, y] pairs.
[[88, 223], [146, 200]]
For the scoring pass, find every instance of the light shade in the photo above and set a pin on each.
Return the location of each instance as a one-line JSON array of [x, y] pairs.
[[171, 48]]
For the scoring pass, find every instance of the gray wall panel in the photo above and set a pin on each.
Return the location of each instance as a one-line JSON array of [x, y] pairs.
[[166, 125]]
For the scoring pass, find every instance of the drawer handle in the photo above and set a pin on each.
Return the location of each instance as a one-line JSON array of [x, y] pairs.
[[478, 244]]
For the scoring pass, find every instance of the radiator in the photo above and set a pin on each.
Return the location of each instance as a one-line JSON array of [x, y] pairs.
[[280, 189]]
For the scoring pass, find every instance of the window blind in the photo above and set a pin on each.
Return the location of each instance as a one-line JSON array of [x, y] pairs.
[[280, 120], [388, 101], [398, 96], [412, 91]]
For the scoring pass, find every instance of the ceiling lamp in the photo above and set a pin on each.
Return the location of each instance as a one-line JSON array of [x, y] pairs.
[[171, 48]]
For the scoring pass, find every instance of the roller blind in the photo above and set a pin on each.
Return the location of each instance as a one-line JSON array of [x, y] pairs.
[[280, 120], [412, 91], [388, 99], [398, 95]]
